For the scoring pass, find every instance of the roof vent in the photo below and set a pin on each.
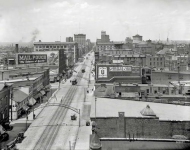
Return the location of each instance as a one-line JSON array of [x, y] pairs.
[[148, 111]]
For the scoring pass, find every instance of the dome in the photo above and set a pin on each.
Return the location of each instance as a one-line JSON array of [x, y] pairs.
[[148, 111]]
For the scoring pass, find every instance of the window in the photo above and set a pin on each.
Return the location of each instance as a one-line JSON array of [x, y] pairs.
[[150, 59], [54, 46], [47, 46], [169, 76], [160, 59], [36, 46], [50, 46], [181, 77], [61, 46], [150, 63], [57, 46]]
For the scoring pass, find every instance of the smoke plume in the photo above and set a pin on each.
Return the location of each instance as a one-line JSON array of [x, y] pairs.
[[35, 33]]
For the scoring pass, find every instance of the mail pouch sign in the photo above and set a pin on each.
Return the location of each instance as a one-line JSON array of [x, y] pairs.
[[31, 58]]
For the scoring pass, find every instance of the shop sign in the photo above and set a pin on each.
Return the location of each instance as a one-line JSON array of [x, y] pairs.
[[127, 69]]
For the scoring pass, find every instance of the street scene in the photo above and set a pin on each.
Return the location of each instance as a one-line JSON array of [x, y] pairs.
[[94, 75]]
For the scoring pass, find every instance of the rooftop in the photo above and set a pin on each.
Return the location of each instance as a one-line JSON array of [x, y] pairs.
[[19, 96], [56, 43], [164, 112]]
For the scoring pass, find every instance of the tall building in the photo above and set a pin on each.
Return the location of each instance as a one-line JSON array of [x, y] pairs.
[[80, 39], [69, 39], [104, 37]]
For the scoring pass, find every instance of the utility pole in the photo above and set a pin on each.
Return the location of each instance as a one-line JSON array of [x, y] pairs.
[[95, 107]]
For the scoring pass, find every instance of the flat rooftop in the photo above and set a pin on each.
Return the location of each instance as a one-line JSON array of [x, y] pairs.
[[106, 107]]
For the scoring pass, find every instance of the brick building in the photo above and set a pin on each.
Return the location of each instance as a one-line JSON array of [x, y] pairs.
[[5, 102], [155, 61], [121, 119]]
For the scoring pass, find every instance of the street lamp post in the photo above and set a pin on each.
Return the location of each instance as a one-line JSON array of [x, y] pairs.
[[26, 118]]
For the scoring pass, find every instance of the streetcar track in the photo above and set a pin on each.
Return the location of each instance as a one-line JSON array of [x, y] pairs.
[[49, 134]]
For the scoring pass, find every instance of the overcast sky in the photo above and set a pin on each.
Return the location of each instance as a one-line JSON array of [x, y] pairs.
[[47, 20]]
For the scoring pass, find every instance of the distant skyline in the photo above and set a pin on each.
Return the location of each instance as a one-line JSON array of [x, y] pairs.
[[52, 20]]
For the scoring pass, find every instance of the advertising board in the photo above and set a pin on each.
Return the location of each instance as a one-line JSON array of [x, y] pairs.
[[102, 72], [119, 69], [31, 58]]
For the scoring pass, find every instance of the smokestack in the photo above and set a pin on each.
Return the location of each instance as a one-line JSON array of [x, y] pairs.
[[16, 48]]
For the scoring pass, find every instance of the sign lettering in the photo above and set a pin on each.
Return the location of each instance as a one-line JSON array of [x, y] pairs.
[[31, 58], [127, 69]]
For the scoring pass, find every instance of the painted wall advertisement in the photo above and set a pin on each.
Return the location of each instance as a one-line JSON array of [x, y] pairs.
[[31, 58]]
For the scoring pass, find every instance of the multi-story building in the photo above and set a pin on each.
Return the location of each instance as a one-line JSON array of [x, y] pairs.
[[69, 47], [80, 39], [104, 37], [155, 61], [5, 102], [69, 39]]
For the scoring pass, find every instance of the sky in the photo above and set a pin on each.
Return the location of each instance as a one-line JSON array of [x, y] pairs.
[[54, 20]]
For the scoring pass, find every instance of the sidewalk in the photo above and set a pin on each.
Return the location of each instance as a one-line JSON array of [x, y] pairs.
[[83, 139]]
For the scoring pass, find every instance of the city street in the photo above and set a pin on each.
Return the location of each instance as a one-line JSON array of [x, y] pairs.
[[64, 131]]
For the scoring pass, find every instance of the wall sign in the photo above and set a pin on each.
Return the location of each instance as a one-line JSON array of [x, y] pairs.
[[120, 69], [31, 58], [102, 72]]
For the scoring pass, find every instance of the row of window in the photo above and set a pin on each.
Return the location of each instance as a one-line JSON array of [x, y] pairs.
[[119, 52], [52, 46], [158, 58], [155, 64]]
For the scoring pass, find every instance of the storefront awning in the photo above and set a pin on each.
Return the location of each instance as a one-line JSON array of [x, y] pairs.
[[42, 92], [48, 86], [37, 95], [25, 107], [45, 98], [32, 101]]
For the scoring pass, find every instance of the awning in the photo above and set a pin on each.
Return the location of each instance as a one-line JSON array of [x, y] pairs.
[[25, 107], [48, 86], [42, 92], [37, 95], [32, 101], [45, 98]]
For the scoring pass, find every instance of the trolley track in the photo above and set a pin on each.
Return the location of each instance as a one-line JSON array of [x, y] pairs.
[[50, 132]]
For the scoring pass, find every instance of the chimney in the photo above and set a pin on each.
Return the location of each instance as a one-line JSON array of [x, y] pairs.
[[16, 48]]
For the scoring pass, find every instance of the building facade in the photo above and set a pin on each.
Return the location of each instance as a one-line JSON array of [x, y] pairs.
[[69, 39], [155, 61], [5, 101]]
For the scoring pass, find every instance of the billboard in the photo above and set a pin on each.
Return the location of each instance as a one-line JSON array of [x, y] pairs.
[[24, 58], [102, 72]]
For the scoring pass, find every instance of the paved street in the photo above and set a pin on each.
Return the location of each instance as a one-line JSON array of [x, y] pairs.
[[69, 132]]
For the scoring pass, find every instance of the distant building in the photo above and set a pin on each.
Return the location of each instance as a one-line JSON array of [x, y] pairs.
[[104, 37], [128, 40], [69, 39], [80, 39], [155, 61], [137, 38]]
